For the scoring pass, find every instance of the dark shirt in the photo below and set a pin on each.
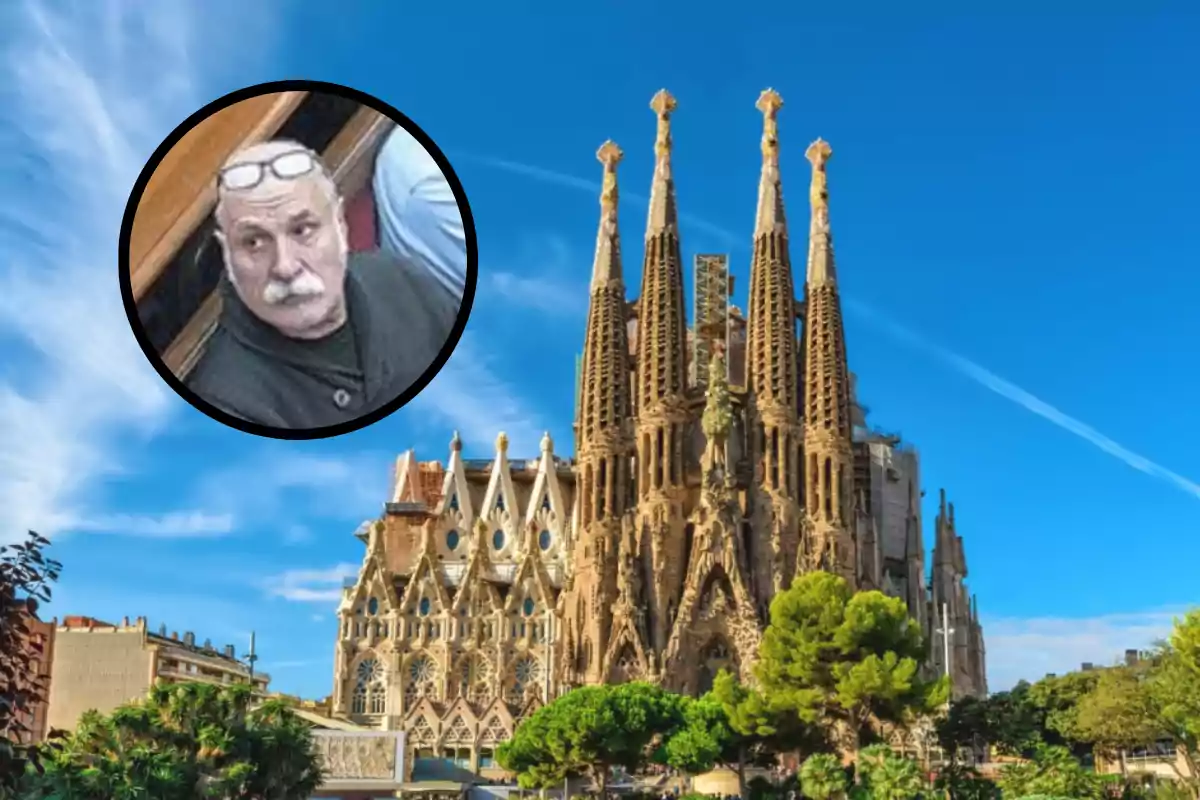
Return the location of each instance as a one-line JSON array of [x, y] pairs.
[[398, 318]]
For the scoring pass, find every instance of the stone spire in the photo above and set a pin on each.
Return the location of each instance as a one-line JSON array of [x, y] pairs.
[[663, 214], [773, 376], [607, 264], [603, 441], [827, 407], [661, 401]]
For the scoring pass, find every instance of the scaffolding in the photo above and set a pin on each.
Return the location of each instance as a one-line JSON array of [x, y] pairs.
[[714, 286]]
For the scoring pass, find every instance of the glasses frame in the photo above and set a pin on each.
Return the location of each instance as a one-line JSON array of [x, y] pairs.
[[264, 167]]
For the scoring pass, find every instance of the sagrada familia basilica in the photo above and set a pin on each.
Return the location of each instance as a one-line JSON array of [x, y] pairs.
[[713, 463]]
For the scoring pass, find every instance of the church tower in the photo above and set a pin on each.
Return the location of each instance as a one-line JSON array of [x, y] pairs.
[[773, 380], [661, 401], [604, 449], [829, 541]]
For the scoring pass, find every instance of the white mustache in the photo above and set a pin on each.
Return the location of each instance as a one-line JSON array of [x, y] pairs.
[[305, 285]]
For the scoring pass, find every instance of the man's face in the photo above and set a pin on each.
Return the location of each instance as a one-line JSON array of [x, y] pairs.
[[284, 242]]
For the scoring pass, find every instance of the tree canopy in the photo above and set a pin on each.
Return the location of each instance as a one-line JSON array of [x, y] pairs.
[[589, 730], [26, 576], [846, 660], [183, 742]]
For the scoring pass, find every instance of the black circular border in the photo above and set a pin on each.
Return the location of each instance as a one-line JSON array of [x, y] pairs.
[[328, 431]]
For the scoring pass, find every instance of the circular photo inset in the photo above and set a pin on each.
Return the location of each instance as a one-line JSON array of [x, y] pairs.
[[298, 260]]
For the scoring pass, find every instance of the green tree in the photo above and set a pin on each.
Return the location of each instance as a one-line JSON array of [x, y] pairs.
[[822, 777], [26, 576], [184, 742], [1056, 700], [844, 660], [1054, 772], [590, 730], [884, 775], [1014, 725], [965, 725], [1174, 687], [960, 782], [1118, 714], [730, 726]]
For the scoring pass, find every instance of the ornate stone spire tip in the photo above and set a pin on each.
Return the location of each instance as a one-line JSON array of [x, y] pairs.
[[502, 442], [769, 102], [663, 103], [819, 153], [456, 442], [547, 442], [609, 155]]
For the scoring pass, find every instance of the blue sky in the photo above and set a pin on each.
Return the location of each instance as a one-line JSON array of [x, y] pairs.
[[1012, 198]]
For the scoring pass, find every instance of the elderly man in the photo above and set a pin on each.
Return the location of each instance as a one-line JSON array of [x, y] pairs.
[[419, 219], [310, 335]]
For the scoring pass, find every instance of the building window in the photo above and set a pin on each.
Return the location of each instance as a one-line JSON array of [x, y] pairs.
[[368, 688], [372, 606], [498, 540], [545, 540], [528, 606], [452, 540], [424, 606]]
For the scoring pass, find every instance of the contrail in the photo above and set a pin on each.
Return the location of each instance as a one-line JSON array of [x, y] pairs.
[[965, 367], [727, 236], [1010, 391]]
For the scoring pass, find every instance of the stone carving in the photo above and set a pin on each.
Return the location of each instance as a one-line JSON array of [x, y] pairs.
[[357, 757]]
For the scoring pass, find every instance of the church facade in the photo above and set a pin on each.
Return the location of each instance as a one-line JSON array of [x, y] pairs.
[[712, 464]]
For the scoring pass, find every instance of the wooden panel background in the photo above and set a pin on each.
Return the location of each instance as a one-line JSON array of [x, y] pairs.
[[350, 158], [182, 192]]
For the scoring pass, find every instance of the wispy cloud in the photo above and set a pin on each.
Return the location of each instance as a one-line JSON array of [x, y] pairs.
[[1029, 649], [175, 525], [278, 483], [469, 396], [698, 224], [311, 585], [1030, 402], [542, 289], [91, 89]]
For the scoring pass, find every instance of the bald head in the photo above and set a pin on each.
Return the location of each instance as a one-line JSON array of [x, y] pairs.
[[283, 236], [271, 167]]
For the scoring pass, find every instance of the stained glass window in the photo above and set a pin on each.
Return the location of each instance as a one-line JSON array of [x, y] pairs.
[[452, 540], [545, 540], [498, 540], [529, 606], [424, 606]]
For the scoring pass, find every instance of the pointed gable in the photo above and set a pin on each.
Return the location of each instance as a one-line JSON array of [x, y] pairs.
[[425, 593], [406, 487], [500, 507], [455, 507], [547, 515]]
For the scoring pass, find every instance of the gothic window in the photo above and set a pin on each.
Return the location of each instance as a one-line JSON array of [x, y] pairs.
[[424, 606], [369, 688], [454, 502], [452, 540], [545, 540], [498, 540], [528, 606], [372, 606], [421, 680], [499, 501], [546, 502], [526, 675], [475, 679]]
